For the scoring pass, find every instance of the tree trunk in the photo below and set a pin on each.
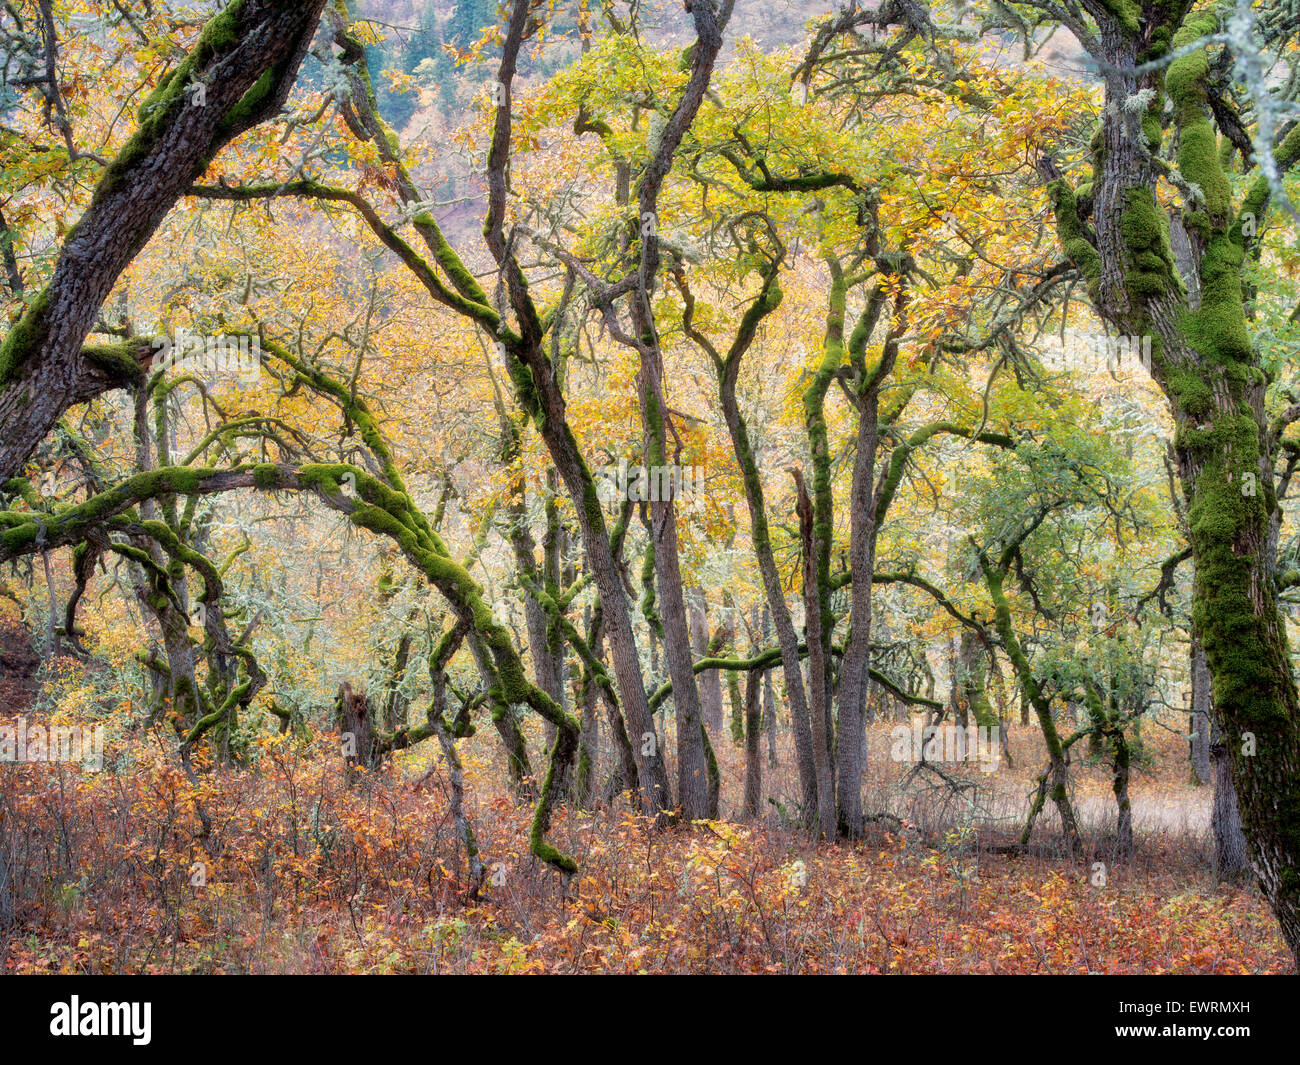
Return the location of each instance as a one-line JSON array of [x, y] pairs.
[[540, 645], [753, 746], [652, 776], [505, 721], [709, 681], [769, 716], [972, 662], [734, 698], [1053, 782], [352, 718], [1231, 853], [589, 742], [787, 637], [769, 696], [692, 768], [856, 663], [1203, 359], [395, 705], [818, 668], [1202, 772], [1121, 761], [456, 804]]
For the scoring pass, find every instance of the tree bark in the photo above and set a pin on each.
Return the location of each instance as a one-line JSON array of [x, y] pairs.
[[728, 370], [753, 745], [851, 732], [1231, 852], [353, 720], [692, 763], [1203, 359], [1053, 783], [709, 681], [818, 667], [1202, 771]]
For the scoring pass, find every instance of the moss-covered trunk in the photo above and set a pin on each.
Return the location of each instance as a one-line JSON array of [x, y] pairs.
[[1053, 783], [818, 665], [1203, 359], [760, 537], [851, 731]]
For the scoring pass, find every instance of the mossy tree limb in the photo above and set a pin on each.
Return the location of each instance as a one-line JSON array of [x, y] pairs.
[[247, 57]]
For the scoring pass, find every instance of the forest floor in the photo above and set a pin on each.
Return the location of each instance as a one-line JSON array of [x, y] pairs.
[[113, 871]]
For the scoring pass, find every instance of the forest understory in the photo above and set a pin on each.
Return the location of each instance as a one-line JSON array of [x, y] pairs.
[[306, 874]]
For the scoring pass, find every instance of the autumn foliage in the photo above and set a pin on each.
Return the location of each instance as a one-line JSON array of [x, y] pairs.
[[297, 872]]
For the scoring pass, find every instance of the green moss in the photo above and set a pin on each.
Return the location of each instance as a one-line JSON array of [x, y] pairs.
[[26, 336], [220, 34], [1072, 234], [447, 258], [1144, 229], [1163, 19], [179, 480], [648, 597], [244, 113], [1217, 330], [118, 359], [1152, 129], [1128, 12], [265, 476], [15, 541], [1199, 158], [1191, 392], [814, 401]]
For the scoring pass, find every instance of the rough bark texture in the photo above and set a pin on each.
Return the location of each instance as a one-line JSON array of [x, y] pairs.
[[867, 502], [753, 745], [1124, 821], [1231, 852], [353, 720], [818, 666], [1200, 744], [1203, 359], [769, 716]]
